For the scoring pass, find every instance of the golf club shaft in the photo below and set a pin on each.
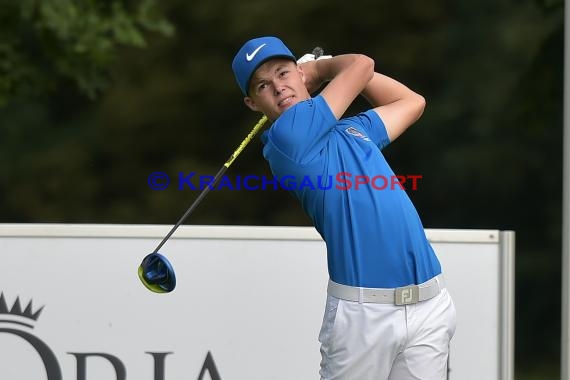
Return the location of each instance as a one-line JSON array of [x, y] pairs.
[[217, 177]]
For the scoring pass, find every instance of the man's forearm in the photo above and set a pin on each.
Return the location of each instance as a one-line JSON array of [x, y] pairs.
[[327, 69], [322, 71], [382, 90], [398, 106]]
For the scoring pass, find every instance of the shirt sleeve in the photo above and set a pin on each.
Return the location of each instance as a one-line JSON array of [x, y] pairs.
[[300, 132], [373, 126]]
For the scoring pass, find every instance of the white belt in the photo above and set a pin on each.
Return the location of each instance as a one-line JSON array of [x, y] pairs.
[[405, 295]]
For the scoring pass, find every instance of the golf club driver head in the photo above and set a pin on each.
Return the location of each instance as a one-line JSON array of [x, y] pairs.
[[156, 273]]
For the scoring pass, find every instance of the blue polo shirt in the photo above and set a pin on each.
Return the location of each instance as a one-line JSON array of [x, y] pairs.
[[372, 231]]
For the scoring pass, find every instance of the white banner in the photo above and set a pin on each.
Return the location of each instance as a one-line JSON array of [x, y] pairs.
[[248, 303]]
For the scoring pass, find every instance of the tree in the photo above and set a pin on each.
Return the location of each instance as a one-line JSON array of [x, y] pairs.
[[49, 42]]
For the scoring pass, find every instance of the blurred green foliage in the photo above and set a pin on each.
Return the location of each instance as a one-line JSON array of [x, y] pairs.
[[97, 95], [45, 43]]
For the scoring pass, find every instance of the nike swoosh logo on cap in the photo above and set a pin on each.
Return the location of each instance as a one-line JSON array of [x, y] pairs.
[[249, 57]]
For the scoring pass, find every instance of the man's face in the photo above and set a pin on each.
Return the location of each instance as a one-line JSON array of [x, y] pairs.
[[275, 86]]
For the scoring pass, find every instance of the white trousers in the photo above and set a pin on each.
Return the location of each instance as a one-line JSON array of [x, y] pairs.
[[371, 341]]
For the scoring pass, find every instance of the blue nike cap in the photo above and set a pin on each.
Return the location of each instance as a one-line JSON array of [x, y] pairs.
[[253, 54]]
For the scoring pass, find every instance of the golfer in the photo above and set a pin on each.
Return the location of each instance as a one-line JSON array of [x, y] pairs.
[[388, 314]]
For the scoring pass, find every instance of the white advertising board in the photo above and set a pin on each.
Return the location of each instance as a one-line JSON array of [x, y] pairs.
[[248, 303]]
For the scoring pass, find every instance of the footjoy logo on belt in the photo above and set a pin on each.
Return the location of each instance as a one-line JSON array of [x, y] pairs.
[[19, 322], [340, 181], [407, 295]]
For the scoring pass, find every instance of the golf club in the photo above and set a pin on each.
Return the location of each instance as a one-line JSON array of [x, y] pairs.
[[155, 271]]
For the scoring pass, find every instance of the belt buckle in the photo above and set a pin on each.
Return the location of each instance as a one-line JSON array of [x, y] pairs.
[[407, 295]]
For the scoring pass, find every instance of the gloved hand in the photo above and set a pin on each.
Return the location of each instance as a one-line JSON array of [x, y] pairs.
[[315, 55], [312, 81]]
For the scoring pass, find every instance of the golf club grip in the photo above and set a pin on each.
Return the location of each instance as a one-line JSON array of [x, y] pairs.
[[318, 51], [214, 182]]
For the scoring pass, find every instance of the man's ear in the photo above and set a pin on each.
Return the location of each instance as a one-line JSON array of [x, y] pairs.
[[250, 103], [301, 73]]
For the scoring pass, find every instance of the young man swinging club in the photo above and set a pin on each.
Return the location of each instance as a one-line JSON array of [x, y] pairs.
[[388, 314]]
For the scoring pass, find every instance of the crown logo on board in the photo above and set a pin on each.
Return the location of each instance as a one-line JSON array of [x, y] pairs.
[[16, 309]]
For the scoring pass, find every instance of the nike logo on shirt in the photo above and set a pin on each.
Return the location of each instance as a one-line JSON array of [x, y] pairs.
[[249, 57]]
